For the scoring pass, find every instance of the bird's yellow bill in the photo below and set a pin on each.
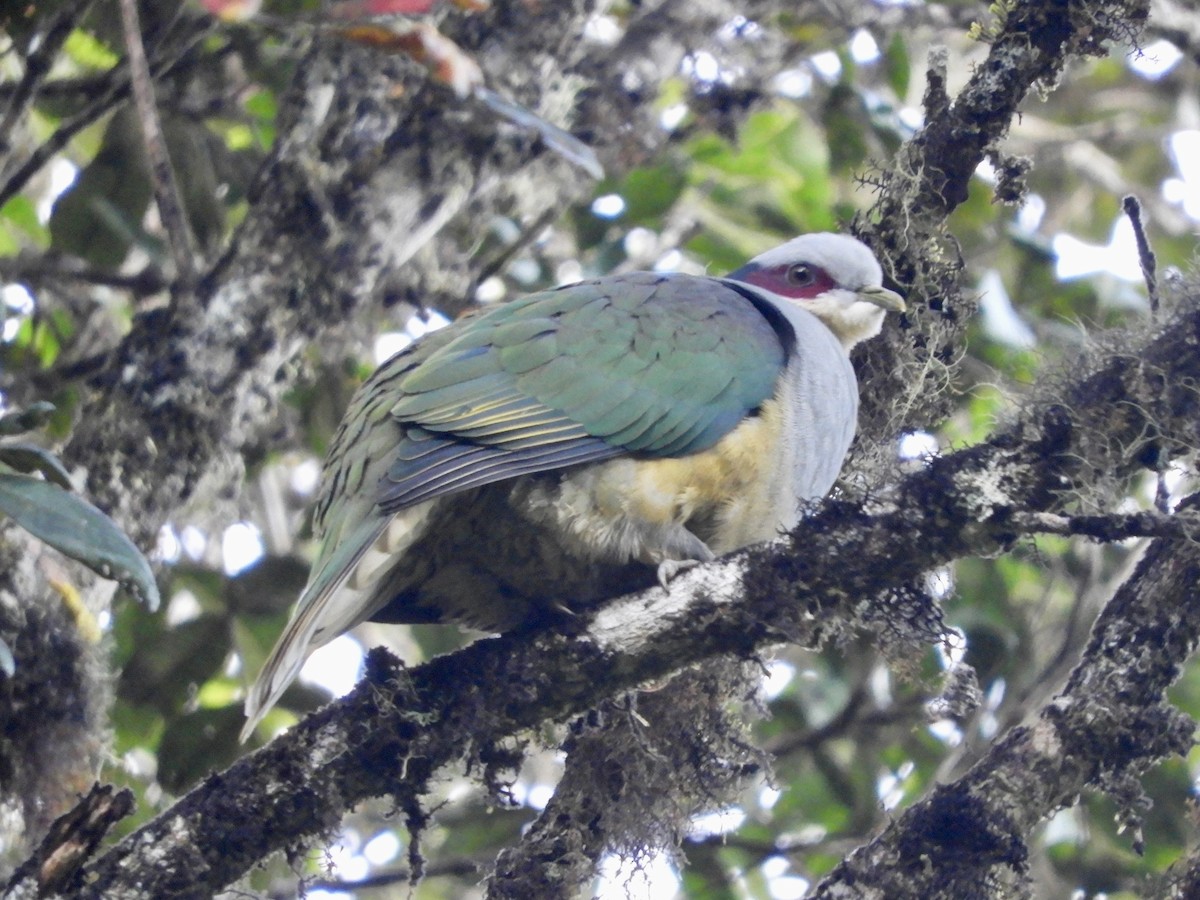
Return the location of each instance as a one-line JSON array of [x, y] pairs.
[[882, 297]]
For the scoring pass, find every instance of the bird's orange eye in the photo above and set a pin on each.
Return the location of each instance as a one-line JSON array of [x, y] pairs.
[[801, 275]]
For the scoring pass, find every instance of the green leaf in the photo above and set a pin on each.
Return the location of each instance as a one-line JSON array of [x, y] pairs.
[[88, 51], [896, 66], [843, 118], [98, 218], [264, 108], [75, 527], [31, 458], [262, 105], [650, 193], [22, 212]]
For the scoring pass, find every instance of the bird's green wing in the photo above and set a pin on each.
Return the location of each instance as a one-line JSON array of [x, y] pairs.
[[653, 365], [645, 364]]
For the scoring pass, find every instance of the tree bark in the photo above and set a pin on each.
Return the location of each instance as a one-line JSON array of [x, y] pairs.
[[1108, 726], [850, 565]]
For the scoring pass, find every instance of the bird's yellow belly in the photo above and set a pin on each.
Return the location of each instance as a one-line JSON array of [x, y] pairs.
[[717, 500], [725, 483]]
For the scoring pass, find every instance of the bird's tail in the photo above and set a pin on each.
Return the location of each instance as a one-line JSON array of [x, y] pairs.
[[325, 609]]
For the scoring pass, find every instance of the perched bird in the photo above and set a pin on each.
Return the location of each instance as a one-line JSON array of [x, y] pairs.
[[580, 442]]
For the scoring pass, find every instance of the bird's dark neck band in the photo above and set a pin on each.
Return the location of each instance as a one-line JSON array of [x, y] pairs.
[[775, 318]]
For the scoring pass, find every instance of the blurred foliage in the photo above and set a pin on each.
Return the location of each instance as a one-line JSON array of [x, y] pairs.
[[853, 739], [35, 492]]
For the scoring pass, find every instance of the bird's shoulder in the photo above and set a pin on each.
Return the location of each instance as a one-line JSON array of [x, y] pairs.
[[645, 315]]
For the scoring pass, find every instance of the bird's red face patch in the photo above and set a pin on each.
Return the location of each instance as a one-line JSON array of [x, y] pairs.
[[797, 281]]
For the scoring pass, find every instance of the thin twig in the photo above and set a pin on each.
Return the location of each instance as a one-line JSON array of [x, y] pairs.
[[48, 270], [76, 88], [116, 92], [461, 868], [1133, 209], [162, 176], [1115, 527], [1149, 264], [527, 236]]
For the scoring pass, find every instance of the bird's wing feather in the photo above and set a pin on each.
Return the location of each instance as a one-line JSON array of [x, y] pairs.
[[659, 365]]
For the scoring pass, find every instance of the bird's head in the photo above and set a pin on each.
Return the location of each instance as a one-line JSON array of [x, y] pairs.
[[833, 276]]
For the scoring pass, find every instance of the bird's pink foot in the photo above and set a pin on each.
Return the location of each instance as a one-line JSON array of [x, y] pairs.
[[669, 568]]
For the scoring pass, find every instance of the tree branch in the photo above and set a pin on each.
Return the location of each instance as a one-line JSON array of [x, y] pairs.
[[1111, 723], [400, 727], [37, 269], [928, 180], [1114, 527]]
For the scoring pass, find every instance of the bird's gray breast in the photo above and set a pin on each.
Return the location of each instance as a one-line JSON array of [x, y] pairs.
[[818, 394]]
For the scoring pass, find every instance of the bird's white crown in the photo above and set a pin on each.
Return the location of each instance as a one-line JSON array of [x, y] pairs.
[[846, 287]]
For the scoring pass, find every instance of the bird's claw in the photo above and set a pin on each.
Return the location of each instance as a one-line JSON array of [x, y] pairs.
[[669, 568]]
